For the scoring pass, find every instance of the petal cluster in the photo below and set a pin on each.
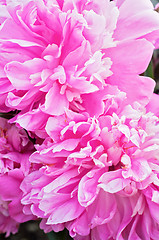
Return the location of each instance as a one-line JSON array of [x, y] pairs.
[[15, 149], [99, 176], [61, 51]]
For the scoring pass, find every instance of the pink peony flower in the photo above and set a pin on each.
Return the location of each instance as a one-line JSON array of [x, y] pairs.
[[72, 70], [57, 53], [99, 176], [15, 149], [7, 224]]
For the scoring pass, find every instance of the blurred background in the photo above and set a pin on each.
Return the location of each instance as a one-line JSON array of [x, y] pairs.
[[154, 2]]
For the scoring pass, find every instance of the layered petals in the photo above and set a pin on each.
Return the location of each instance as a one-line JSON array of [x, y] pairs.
[[98, 177], [15, 149], [60, 53]]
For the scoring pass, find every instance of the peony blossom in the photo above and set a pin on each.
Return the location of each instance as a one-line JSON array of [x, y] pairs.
[[57, 53], [98, 176], [7, 224], [72, 71], [15, 149]]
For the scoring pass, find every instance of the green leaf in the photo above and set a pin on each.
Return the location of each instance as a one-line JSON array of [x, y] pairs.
[[149, 72]]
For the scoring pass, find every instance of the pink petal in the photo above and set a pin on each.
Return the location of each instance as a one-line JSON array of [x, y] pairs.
[[55, 103]]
